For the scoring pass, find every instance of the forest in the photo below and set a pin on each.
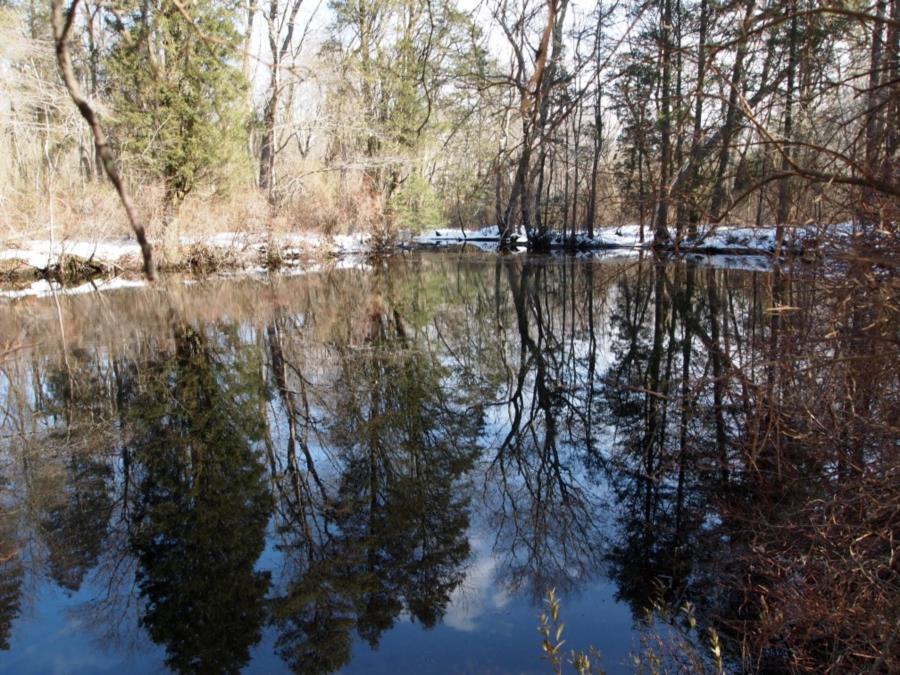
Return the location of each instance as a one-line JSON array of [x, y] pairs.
[[540, 119]]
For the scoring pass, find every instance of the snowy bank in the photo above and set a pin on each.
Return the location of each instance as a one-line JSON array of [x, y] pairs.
[[722, 239], [40, 256], [42, 288]]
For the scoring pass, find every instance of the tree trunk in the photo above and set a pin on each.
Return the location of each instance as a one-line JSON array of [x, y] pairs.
[[731, 115], [61, 21], [784, 187], [267, 147], [660, 230], [691, 184]]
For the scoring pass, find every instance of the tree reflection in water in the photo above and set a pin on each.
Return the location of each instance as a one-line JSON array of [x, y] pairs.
[[393, 531], [546, 511], [636, 419], [10, 577], [201, 503]]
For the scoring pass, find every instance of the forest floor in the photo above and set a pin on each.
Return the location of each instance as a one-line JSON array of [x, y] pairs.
[[37, 267]]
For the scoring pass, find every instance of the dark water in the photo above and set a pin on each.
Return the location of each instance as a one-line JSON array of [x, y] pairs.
[[372, 470]]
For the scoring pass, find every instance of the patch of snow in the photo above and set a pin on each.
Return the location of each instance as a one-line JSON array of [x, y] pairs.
[[458, 235], [38, 253], [625, 236], [27, 256], [350, 243], [43, 288], [109, 251], [735, 238]]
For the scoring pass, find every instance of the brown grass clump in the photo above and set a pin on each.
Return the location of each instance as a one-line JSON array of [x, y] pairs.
[[203, 259], [330, 202], [16, 270], [72, 269]]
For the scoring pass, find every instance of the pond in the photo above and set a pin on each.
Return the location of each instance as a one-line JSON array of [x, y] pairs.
[[383, 467]]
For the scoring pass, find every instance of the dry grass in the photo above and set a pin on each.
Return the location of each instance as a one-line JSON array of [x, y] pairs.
[[91, 212], [823, 573], [88, 212], [327, 201]]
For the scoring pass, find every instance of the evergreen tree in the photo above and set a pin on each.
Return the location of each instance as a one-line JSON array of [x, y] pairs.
[[180, 96]]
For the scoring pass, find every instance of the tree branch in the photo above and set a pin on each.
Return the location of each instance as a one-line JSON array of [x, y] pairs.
[[62, 21]]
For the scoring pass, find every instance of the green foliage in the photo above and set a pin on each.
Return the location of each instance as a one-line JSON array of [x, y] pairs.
[[179, 96], [416, 206], [398, 63]]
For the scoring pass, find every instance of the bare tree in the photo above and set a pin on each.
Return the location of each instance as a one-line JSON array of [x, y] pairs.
[[62, 19], [281, 20]]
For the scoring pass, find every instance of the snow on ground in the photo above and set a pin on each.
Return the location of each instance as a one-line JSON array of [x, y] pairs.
[[456, 235], [40, 255], [724, 239], [45, 288], [350, 243]]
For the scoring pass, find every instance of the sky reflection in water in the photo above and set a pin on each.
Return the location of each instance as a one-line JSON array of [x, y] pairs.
[[360, 470]]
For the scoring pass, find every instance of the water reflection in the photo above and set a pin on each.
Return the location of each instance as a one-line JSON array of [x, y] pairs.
[[546, 507], [388, 533], [201, 501], [305, 465], [10, 578]]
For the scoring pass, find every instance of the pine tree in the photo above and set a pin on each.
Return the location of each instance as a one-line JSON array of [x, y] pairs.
[[180, 98]]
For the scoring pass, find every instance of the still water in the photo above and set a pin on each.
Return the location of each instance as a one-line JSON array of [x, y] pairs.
[[373, 469]]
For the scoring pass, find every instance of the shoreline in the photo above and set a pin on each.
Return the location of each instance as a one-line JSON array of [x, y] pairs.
[[71, 261], [37, 267]]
